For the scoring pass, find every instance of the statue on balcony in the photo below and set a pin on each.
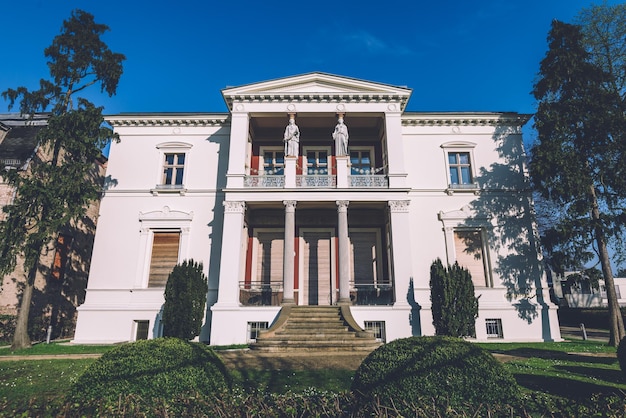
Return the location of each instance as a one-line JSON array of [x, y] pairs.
[[292, 139], [341, 138]]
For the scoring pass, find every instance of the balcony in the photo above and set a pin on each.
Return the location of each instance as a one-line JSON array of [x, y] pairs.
[[261, 294], [367, 294]]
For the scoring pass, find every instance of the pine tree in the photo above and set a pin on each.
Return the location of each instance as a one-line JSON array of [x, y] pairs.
[[59, 186], [454, 306], [578, 162], [185, 301]]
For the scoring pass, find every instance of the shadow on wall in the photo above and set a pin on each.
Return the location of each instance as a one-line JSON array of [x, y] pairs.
[[512, 236], [221, 138], [414, 316]]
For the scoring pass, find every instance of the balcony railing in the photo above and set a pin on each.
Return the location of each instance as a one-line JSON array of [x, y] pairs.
[[264, 181], [372, 180], [261, 294], [316, 181], [371, 293]]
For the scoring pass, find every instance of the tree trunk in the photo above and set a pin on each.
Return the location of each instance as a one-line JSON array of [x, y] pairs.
[[20, 337], [615, 315]]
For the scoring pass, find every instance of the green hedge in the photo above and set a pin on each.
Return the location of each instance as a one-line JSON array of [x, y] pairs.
[[446, 370], [150, 369]]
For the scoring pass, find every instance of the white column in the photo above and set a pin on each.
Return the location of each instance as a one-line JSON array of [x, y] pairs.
[[342, 171], [395, 148], [401, 253], [230, 262], [239, 129], [290, 172], [344, 252], [289, 252]]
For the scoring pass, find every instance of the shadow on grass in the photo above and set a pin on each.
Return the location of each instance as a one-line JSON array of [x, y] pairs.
[[564, 387], [607, 375], [558, 355]]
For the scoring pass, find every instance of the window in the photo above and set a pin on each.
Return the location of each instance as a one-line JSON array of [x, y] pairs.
[[460, 169], [141, 330], [317, 162], [273, 162], [378, 328], [494, 328], [361, 162], [173, 169], [63, 245], [253, 330], [471, 254], [164, 257]]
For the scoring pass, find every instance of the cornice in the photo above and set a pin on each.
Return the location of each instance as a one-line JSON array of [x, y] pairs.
[[168, 120], [465, 119], [318, 98]]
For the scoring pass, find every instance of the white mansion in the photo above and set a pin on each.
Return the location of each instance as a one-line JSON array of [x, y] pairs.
[[347, 204]]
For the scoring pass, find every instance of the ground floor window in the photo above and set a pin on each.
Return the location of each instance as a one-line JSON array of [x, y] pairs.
[[494, 328], [141, 330], [471, 253], [378, 328], [253, 330], [165, 248]]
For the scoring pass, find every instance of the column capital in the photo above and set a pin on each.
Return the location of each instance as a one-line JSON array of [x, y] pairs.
[[234, 206], [399, 206], [290, 205], [342, 205]]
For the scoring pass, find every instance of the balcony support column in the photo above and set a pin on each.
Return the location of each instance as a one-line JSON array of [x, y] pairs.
[[401, 253], [290, 172], [342, 171], [344, 252], [289, 252]]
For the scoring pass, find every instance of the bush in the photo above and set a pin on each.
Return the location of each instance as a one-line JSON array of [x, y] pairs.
[[454, 305], [159, 368], [185, 301], [621, 355], [443, 370]]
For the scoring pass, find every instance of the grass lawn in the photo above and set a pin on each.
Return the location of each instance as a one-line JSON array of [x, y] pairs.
[[573, 370]]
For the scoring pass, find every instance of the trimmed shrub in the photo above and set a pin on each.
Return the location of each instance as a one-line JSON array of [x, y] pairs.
[[621, 355], [158, 368], [185, 301], [443, 370], [454, 305]]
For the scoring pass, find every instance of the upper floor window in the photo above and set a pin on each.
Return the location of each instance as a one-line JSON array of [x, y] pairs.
[[460, 168], [173, 169], [317, 162], [459, 162], [361, 162], [274, 162]]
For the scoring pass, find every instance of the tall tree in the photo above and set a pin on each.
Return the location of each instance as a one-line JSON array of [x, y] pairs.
[[58, 187], [578, 160], [454, 304], [185, 301]]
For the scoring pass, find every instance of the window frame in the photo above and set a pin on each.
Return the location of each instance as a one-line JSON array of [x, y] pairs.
[[372, 154], [486, 262], [169, 148], [460, 148], [494, 324], [375, 326], [274, 149], [154, 233], [317, 150], [255, 327]]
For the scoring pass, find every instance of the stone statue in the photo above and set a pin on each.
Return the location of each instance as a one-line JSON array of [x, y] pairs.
[[341, 138], [292, 138]]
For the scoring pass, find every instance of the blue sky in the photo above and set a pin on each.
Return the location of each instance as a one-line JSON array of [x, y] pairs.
[[455, 55]]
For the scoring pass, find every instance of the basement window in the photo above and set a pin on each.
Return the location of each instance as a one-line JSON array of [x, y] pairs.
[[253, 330], [141, 330], [378, 328], [494, 328]]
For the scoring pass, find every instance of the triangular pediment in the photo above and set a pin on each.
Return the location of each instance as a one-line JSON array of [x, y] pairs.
[[316, 84]]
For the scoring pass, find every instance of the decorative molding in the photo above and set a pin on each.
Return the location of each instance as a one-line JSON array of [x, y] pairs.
[[165, 214], [160, 120], [399, 206], [234, 206], [342, 206], [456, 120], [290, 205]]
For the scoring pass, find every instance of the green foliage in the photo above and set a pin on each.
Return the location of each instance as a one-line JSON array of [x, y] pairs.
[[445, 369], [621, 355], [185, 301], [61, 181], [454, 306], [158, 368]]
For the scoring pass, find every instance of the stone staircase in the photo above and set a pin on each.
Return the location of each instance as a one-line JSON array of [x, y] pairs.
[[315, 328]]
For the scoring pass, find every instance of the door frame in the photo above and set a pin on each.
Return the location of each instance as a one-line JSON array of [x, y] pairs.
[[333, 264]]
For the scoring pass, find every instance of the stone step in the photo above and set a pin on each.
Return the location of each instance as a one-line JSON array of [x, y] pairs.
[[297, 345]]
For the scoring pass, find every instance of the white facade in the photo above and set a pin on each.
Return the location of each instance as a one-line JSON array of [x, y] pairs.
[[362, 229]]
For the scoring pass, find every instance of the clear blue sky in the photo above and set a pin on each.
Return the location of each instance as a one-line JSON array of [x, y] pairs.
[[480, 55]]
